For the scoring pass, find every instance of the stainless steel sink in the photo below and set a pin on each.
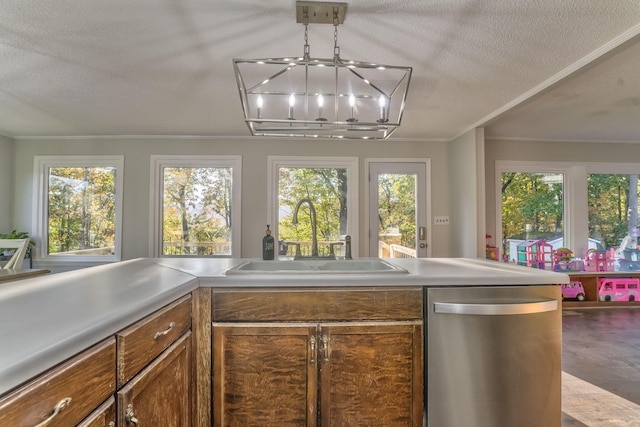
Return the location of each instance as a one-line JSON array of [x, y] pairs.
[[357, 266]]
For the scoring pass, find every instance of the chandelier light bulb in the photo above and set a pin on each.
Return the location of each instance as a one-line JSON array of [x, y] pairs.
[[320, 105], [259, 104], [292, 102], [382, 102], [352, 104]]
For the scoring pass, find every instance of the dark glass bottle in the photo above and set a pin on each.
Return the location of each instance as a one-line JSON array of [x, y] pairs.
[[268, 245]]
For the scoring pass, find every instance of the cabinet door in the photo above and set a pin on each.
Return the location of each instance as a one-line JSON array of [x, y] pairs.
[[104, 416], [264, 375], [160, 395], [371, 374]]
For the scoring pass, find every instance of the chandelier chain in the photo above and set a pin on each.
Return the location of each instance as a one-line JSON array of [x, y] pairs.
[[336, 49], [305, 21]]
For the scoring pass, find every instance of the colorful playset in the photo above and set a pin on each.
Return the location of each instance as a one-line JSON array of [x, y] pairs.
[[618, 289], [599, 260], [630, 260], [535, 254]]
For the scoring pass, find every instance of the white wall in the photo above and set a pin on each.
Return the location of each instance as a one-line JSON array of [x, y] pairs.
[[254, 154], [6, 181], [466, 172]]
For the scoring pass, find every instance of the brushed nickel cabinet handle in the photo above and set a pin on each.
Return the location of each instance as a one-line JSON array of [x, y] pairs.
[[325, 348], [56, 410], [130, 417], [165, 332], [312, 340]]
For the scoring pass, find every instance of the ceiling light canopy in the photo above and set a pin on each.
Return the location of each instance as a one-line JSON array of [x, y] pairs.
[[315, 97]]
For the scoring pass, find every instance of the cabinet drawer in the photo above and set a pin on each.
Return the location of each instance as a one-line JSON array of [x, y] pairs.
[[317, 304], [140, 343], [83, 382]]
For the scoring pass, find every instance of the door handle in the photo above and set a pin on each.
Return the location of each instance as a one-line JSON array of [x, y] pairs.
[[496, 309], [422, 233]]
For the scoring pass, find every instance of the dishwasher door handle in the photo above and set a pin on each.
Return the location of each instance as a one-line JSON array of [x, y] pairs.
[[541, 306]]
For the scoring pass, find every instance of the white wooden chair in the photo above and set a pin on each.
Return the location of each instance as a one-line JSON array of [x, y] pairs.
[[21, 246]]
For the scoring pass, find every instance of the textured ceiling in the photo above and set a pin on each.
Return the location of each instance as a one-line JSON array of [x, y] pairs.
[[530, 69]]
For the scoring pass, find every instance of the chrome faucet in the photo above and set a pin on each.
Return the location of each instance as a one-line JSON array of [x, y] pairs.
[[314, 231]]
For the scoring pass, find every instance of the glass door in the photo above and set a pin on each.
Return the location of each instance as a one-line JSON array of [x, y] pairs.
[[398, 210]]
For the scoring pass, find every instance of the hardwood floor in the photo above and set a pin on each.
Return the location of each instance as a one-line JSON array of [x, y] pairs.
[[601, 364]]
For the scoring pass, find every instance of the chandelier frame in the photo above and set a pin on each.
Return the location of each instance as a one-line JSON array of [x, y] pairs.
[[358, 107]]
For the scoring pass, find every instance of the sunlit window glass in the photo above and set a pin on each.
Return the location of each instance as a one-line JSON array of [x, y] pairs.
[[196, 211], [532, 216]]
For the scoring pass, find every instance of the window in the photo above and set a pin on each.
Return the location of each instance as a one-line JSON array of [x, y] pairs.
[[78, 207], [195, 203], [532, 210], [596, 207], [330, 185], [613, 209]]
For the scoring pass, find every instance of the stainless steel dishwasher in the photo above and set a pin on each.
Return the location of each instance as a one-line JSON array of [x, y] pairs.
[[493, 356]]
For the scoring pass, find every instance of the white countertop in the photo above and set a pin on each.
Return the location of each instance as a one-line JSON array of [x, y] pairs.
[[421, 272], [45, 320]]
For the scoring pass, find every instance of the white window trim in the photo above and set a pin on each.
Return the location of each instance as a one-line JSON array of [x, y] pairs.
[[348, 163], [158, 162], [41, 211]]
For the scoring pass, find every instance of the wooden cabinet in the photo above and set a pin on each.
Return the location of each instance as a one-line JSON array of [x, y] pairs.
[[154, 369], [160, 395], [66, 394], [144, 374], [318, 357], [264, 375], [104, 416], [589, 281], [368, 374], [141, 342]]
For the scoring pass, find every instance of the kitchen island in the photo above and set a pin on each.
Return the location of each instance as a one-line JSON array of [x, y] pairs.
[[48, 320]]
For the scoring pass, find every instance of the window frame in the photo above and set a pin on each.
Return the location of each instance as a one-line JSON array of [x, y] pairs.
[[348, 163], [40, 218], [501, 167], [158, 163], [576, 226]]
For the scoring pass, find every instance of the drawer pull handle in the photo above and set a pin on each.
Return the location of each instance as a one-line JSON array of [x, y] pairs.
[[313, 350], [130, 417], [325, 348], [56, 410], [165, 332]]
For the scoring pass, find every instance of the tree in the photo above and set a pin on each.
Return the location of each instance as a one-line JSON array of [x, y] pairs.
[[81, 204], [197, 210], [532, 206], [396, 206], [326, 188]]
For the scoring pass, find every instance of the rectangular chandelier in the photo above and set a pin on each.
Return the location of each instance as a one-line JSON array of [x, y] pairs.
[[322, 98]]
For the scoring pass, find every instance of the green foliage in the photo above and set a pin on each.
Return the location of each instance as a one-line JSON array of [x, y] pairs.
[[535, 199], [531, 200], [81, 208], [197, 211], [396, 206], [14, 234], [326, 188], [609, 207]]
